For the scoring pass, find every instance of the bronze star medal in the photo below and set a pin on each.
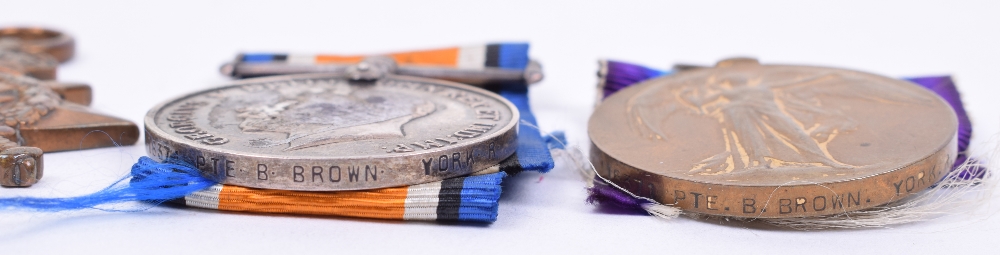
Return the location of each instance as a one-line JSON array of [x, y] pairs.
[[45, 116]]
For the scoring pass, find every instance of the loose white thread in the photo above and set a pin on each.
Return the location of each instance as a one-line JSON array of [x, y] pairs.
[[589, 173], [950, 196]]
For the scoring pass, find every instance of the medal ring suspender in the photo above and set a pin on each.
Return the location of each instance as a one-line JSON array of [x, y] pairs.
[[57, 44]]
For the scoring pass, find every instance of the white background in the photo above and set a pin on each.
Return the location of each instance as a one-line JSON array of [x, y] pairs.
[[136, 54]]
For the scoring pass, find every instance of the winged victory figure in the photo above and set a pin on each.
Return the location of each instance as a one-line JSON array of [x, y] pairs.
[[762, 114]]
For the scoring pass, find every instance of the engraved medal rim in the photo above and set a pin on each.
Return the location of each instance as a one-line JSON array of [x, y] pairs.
[[749, 189], [504, 137], [766, 199], [666, 80], [149, 120]]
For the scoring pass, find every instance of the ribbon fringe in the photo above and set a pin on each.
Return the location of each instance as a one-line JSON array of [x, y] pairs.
[[954, 194], [149, 181]]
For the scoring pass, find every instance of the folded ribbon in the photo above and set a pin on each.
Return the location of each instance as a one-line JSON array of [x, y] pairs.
[[471, 198]]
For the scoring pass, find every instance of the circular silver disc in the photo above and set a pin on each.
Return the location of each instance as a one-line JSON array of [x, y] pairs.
[[322, 132]]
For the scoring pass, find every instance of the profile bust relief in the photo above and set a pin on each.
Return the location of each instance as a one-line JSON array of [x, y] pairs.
[[319, 115]]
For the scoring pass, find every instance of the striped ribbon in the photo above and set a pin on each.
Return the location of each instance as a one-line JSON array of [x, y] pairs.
[[501, 55], [472, 198]]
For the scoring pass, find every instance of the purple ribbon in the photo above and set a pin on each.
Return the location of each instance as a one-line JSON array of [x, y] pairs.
[[945, 87], [620, 75]]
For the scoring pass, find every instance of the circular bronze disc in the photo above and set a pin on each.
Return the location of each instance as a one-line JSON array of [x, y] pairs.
[[772, 141]]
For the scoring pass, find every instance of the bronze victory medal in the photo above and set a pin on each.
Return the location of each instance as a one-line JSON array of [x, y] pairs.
[[322, 132], [772, 141]]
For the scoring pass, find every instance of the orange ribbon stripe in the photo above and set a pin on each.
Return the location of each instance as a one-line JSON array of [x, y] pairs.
[[385, 203], [441, 57]]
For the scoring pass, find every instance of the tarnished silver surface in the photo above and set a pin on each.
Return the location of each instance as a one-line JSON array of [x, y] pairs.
[[323, 132]]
